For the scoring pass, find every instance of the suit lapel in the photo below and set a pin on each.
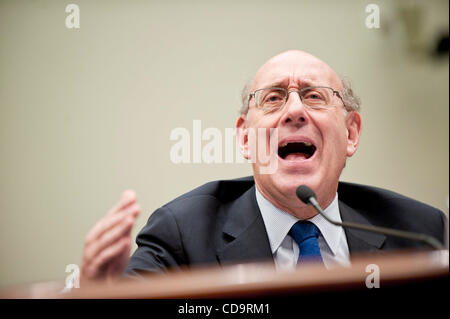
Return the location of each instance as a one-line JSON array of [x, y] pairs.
[[246, 236], [359, 241], [245, 233]]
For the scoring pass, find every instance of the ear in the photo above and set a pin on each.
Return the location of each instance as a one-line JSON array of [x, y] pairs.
[[242, 136], [353, 123]]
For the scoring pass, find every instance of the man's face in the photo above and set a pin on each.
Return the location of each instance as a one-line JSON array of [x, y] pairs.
[[333, 135]]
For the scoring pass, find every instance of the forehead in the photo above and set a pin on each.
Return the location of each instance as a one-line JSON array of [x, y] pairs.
[[295, 68]]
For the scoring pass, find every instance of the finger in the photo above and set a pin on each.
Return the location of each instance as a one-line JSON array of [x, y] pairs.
[[110, 237], [110, 230], [108, 222], [107, 255], [127, 198], [131, 211]]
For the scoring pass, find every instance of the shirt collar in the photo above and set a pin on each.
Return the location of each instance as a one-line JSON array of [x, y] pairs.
[[278, 223]]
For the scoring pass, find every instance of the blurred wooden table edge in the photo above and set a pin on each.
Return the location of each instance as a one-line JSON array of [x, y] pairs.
[[254, 279]]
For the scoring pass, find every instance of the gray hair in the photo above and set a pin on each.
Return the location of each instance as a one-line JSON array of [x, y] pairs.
[[351, 101]]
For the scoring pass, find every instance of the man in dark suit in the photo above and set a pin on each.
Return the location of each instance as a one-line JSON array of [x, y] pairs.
[[311, 124], [220, 222]]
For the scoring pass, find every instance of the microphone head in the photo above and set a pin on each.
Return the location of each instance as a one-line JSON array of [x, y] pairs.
[[305, 193]]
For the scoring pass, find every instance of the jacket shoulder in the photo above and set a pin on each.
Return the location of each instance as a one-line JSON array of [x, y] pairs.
[[222, 191], [364, 195], [390, 209]]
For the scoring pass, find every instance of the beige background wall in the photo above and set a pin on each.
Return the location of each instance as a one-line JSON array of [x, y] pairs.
[[87, 113]]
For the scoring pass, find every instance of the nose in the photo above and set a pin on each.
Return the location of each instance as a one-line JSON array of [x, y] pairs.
[[295, 112]]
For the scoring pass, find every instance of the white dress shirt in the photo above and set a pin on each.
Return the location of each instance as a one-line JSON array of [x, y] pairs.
[[332, 241]]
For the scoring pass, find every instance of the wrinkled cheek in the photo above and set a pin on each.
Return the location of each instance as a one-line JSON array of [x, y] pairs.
[[263, 144], [339, 161]]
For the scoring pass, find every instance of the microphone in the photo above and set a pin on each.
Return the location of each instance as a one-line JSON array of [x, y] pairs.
[[307, 196]]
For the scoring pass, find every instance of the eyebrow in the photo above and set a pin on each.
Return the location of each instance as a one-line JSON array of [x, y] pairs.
[[283, 83]]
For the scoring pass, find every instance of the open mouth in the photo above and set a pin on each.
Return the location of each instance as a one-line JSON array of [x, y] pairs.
[[296, 150]]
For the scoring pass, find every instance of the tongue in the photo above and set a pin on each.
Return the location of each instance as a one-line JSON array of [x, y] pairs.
[[296, 156]]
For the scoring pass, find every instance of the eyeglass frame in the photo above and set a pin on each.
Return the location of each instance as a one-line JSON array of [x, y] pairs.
[[335, 92]]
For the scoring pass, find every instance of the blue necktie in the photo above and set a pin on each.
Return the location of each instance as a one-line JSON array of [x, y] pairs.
[[305, 235]]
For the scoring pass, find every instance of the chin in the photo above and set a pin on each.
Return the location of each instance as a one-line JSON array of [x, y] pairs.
[[287, 184]]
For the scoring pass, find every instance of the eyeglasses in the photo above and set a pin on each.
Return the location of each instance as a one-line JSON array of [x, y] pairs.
[[313, 97]]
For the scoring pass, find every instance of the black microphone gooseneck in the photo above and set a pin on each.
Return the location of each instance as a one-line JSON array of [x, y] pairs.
[[307, 196]]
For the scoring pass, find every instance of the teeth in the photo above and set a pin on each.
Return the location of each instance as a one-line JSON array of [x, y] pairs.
[[306, 144]]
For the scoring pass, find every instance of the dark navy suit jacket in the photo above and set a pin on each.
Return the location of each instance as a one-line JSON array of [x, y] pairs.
[[220, 223]]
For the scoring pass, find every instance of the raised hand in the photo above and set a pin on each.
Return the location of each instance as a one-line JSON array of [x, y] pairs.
[[107, 245]]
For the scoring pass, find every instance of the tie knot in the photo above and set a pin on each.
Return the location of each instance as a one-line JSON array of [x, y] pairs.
[[304, 230]]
